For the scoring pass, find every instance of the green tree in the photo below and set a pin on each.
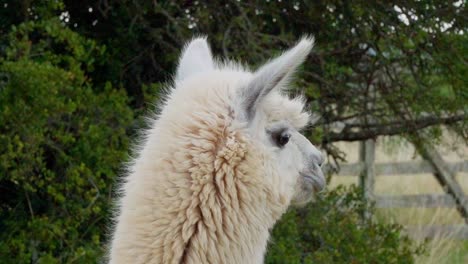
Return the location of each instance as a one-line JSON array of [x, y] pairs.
[[378, 68]]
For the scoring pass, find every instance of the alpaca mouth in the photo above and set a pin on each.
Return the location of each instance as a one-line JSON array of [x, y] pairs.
[[315, 181]]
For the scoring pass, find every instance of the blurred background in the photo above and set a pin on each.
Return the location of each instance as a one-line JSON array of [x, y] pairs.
[[386, 81]]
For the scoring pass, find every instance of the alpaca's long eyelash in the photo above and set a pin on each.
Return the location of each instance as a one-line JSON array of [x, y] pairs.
[[276, 130]]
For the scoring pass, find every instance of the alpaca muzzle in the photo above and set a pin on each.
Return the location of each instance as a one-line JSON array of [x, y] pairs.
[[315, 181]]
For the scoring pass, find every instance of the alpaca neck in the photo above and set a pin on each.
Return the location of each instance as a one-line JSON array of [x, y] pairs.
[[203, 203], [229, 232], [234, 211]]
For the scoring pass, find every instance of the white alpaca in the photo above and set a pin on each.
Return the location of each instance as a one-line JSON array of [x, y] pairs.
[[219, 166]]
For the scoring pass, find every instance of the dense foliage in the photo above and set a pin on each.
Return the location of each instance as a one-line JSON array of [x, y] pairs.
[[61, 144], [75, 77], [332, 230]]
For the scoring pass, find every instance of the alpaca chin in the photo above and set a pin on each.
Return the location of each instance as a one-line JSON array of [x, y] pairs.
[[306, 189], [302, 198]]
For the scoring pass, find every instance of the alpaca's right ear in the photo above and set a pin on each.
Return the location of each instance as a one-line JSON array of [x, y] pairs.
[[195, 58], [274, 75]]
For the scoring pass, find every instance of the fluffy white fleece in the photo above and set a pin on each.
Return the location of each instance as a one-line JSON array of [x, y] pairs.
[[208, 185]]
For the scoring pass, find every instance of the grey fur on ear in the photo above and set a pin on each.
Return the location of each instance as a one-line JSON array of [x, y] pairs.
[[274, 74], [195, 58]]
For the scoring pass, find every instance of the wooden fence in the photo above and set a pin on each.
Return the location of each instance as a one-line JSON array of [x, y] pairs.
[[444, 172]]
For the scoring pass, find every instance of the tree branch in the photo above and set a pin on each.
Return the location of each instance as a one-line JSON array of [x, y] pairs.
[[388, 129]]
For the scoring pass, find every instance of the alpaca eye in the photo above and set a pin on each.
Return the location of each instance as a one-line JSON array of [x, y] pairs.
[[282, 138]]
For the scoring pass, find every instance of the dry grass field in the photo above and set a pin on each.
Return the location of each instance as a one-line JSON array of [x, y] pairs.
[[441, 250]]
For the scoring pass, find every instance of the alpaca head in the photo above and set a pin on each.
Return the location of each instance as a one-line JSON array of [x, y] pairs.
[[269, 119]]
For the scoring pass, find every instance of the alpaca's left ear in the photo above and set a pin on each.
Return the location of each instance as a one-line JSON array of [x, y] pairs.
[[273, 75], [195, 58]]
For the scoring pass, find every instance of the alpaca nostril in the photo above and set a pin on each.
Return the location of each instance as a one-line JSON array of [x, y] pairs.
[[316, 159], [320, 160]]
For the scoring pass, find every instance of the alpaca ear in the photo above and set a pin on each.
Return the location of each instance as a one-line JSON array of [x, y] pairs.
[[274, 74], [195, 58]]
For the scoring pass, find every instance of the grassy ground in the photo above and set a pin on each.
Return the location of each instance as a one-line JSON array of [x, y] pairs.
[[441, 250]]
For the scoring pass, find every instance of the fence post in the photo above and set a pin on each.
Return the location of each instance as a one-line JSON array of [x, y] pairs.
[[367, 177]]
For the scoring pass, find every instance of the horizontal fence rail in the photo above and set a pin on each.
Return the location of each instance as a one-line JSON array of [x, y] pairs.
[[400, 168], [419, 200]]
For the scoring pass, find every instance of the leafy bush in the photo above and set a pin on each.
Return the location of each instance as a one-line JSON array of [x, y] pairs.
[[61, 145], [332, 230]]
